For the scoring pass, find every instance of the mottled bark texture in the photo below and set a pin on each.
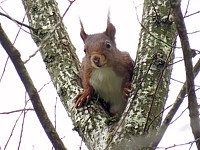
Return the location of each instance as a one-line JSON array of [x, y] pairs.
[[154, 54], [150, 86]]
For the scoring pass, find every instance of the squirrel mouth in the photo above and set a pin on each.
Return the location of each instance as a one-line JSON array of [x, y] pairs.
[[98, 61], [100, 65]]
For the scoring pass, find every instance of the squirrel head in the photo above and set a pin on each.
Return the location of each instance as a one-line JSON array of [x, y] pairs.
[[100, 47]]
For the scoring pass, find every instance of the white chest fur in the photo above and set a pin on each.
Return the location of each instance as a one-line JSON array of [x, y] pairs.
[[108, 85]]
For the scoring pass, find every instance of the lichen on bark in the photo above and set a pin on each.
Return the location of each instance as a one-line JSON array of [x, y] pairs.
[[152, 70]]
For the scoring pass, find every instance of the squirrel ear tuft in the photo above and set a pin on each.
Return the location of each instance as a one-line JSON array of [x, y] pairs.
[[110, 30], [82, 33]]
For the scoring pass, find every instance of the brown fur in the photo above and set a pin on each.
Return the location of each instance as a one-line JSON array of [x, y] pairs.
[[101, 52]]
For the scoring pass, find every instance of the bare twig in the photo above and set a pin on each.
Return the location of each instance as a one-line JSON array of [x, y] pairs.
[[32, 55], [20, 27], [1, 3], [32, 92], [18, 22], [176, 145], [23, 121], [186, 11], [183, 82], [175, 62], [12, 131], [70, 4], [80, 147], [192, 14], [44, 86], [55, 109], [178, 116], [14, 126], [22, 128], [14, 111], [193, 32], [4, 68], [187, 54], [5, 13]]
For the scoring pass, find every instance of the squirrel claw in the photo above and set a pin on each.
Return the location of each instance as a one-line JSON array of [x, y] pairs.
[[82, 99], [126, 91]]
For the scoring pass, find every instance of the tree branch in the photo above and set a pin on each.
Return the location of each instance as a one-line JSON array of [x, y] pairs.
[[187, 54], [173, 110], [18, 22], [14, 111], [32, 92]]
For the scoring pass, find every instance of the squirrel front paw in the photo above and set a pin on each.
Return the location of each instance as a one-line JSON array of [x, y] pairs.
[[83, 98], [127, 90]]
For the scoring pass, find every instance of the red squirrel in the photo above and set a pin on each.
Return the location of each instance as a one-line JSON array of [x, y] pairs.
[[105, 70]]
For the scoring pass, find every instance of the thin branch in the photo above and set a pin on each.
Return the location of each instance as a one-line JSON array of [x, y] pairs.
[[193, 32], [5, 13], [187, 54], [177, 81], [22, 129], [80, 147], [182, 82], [4, 69], [70, 4], [186, 11], [173, 110], [55, 112], [1, 3], [158, 115], [197, 12], [12, 131], [179, 116], [55, 121], [44, 86], [32, 92], [23, 121], [176, 145], [32, 55], [20, 27], [18, 22], [14, 111]]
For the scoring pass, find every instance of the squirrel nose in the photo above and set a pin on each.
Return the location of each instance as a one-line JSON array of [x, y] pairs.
[[96, 60]]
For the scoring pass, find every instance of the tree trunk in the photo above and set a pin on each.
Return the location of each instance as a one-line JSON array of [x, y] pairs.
[[151, 80]]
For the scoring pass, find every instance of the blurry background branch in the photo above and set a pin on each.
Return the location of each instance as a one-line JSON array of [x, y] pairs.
[[187, 54], [15, 57]]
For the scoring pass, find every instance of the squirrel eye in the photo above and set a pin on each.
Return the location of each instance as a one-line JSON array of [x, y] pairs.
[[84, 50], [108, 44]]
